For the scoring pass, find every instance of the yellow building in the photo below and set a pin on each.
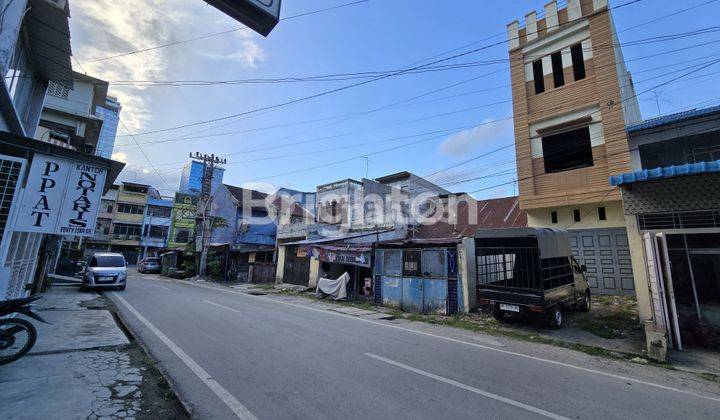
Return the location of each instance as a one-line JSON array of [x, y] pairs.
[[572, 98]]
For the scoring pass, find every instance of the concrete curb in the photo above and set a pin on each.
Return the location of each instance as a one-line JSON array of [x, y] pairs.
[[123, 325]]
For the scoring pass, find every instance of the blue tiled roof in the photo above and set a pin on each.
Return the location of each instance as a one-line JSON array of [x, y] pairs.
[[666, 172], [673, 118]]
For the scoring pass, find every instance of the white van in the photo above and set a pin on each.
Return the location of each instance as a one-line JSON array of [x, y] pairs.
[[105, 270]]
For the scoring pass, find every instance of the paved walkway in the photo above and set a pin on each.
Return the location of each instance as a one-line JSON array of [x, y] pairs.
[[80, 367]]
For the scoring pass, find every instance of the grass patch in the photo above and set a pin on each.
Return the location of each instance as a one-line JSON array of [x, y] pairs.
[[709, 377]]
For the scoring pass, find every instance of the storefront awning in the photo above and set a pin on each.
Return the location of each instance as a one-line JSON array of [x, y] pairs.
[[666, 172]]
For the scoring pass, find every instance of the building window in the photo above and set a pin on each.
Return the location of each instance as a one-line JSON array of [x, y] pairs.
[[557, 69], [156, 231], [601, 213], [259, 212], [578, 62], [158, 211], [411, 263], [538, 76], [130, 208], [182, 236], [126, 230], [58, 90], [576, 215], [554, 217], [566, 151]]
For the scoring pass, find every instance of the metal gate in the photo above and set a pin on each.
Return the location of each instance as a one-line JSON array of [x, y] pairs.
[[606, 254], [297, 269]]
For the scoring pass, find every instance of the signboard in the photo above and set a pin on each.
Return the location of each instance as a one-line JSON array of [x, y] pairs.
[[61, 197], [344, 257], [259, 15]]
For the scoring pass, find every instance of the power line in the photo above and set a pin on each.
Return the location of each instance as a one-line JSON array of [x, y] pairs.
[[242, 28], [353, 85], [145, 155]]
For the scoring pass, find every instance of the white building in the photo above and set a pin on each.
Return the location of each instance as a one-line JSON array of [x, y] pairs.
[[34, 50], [68, 117]]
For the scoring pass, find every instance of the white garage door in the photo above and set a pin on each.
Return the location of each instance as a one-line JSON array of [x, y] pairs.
[[606, 254]]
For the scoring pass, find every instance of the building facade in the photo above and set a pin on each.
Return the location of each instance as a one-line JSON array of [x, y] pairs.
[[192, 175], [34, 51], [671, 202], [129, 219], [156, 225], [68, 116], [110, 115], [182, 226], [572, 98]]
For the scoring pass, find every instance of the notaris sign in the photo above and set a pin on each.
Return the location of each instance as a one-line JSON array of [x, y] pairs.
[[61, 197]]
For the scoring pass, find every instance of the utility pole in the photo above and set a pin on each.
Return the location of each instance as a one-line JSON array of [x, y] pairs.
[[203, 223]]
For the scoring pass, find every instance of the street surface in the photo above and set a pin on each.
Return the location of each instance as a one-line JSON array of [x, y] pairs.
[[230, 354]]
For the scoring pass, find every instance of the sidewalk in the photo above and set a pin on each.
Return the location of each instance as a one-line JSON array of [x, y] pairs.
[[82, 367]]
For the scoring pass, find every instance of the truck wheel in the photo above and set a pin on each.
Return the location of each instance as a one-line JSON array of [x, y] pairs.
[[585, 303], [554, 317], [498, 314]]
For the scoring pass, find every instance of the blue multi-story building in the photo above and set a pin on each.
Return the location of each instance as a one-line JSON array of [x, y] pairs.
[[110, 114], [191, 178], [156, 225]]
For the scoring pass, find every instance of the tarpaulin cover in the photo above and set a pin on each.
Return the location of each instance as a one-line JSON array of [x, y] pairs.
[[336, 289], [552, 242]]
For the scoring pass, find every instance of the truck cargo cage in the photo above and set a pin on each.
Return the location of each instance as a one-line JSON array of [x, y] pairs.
[[514, 268]]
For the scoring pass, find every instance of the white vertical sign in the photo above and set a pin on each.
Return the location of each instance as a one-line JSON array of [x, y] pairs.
[[79, 210], [61, 197], [40, 208]]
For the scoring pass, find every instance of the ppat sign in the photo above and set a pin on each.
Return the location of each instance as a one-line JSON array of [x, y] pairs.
[[61, 197]]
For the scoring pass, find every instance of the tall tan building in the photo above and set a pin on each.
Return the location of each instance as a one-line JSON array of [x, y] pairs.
[[572, 98]]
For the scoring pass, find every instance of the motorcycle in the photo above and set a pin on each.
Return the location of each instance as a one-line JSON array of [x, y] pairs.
[[17, 335]]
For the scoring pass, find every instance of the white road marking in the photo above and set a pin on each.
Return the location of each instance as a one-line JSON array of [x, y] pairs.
[[455, 340], [478, 391], [221, 306], [225, 396]]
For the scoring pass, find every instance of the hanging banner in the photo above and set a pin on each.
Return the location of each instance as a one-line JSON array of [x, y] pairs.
[[62, 197], [345, 256]]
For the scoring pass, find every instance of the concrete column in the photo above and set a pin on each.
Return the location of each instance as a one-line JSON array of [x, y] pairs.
[[639, 266], [314, 272], [280, 269], [551, 16], [531, 26], [467, 268], [513, 31]]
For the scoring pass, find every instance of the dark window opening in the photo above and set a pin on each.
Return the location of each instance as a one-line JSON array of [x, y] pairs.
[[601, 213], [578, 62], [566, 151], [538, 76], [130, 208], [554, 217], [259, 212], [411, 263], [557, 69], [576, 215]]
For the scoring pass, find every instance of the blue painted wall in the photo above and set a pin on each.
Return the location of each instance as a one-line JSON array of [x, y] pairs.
[[413, 294]]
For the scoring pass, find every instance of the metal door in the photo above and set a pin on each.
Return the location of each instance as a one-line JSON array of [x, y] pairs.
[[412, 294], [606, 254]]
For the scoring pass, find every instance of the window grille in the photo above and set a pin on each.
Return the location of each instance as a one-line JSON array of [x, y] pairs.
[[58, 90]]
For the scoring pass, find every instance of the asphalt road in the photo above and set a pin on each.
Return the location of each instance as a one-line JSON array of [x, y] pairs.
[[232, 355]]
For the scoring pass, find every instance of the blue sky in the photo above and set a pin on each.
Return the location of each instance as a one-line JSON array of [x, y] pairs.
[[467, 115]]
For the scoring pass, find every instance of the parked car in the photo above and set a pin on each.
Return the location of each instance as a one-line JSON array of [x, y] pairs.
[[529, 271], [149, 265], [105, 270]]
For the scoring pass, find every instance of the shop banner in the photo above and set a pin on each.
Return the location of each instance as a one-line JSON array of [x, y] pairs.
[[61, 197], [351, 257]]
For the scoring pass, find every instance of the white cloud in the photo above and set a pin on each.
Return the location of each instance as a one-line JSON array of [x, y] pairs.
[[120, 157], [487, 133], [103, 28]]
